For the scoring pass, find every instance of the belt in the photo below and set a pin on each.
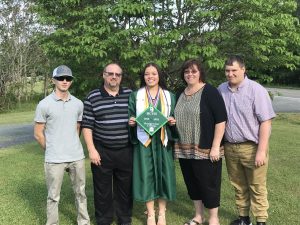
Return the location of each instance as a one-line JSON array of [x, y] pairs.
[[239, 143]]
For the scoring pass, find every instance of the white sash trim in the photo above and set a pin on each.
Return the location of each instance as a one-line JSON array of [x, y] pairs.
[[141, 105]]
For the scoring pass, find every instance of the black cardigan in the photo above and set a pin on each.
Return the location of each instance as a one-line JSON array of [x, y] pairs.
[[212, 111]]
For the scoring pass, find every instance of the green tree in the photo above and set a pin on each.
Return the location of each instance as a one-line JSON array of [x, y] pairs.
[[284, 76], [21, 57], [87, 34]]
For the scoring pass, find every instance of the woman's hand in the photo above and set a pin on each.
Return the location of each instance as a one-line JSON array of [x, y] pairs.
[[214, 154], [171, 121], [132, 122]]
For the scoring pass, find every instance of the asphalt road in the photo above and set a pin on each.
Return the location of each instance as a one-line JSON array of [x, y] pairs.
[[285, 100], [15, 134]]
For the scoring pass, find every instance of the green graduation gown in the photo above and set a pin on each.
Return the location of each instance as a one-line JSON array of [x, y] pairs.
[[153, 166]]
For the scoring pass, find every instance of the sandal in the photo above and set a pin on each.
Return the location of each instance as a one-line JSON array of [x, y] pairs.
[[161, 219], [150, 218], [192, 222]]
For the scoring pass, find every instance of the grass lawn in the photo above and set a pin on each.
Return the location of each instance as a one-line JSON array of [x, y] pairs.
[[16, 117], [23, 190]]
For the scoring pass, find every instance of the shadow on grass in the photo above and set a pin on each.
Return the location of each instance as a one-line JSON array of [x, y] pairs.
[[34, 193], [184, 206]]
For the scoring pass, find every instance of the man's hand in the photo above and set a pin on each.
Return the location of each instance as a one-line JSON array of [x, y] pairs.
[[39, 134], [263, 143], [260, 158], [95, 157], [132, 122], [93, 153]]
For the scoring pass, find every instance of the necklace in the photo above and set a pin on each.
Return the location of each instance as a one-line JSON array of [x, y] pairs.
[[152, 100], [192, 92]]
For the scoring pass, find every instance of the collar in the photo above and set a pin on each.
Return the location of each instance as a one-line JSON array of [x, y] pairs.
[[56, 98], [104, 93], [241, 85]]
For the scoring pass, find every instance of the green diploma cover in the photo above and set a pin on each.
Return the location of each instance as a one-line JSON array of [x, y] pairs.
[[151, 120]]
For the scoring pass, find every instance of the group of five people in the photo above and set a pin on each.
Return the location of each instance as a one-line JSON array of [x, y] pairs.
[[204, 124]]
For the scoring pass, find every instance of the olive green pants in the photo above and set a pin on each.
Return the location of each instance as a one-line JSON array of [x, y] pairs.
[[248, 180]]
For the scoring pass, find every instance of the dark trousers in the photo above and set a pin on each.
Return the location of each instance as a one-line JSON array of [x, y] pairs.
[[203, 180], [113, 185]]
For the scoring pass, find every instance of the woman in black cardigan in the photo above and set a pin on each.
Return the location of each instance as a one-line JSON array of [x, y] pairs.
[[200, 116]]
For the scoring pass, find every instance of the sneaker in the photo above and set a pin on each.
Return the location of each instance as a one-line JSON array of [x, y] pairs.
[[261, 223], [242, 220]]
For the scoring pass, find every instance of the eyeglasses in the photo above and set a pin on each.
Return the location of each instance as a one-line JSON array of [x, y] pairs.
[[111, 74], [62, 78], [187, 72]]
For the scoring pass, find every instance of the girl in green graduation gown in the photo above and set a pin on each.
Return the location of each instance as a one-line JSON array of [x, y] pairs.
[[153, 165]]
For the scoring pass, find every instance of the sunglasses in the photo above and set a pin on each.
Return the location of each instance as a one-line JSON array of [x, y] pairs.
[[111, 74], [62, 78]]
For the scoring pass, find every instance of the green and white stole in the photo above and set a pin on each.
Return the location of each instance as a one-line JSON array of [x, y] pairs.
[[142, 103]]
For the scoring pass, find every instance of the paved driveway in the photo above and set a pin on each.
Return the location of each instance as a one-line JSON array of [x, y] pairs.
[[285, 100], [15, 134]]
